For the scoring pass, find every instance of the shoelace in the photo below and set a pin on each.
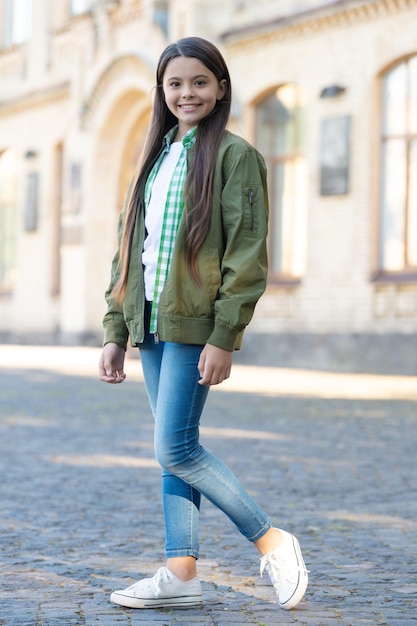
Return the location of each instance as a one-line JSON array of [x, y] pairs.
[[163, 575], [279, 570]]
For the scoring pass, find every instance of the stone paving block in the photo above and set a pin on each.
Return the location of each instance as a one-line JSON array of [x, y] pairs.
[[81, 504]]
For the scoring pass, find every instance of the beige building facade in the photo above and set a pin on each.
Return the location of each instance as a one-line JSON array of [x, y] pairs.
[[326, 90]]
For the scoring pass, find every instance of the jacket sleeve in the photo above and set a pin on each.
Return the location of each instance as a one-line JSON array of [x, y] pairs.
[[244, 263], [115, 329]]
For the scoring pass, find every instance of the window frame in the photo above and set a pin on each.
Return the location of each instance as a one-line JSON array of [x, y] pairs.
[[13, 35], [381, 273], [273, 161], [8, 219]]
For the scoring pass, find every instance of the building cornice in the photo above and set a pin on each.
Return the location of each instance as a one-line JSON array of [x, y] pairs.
[[329, 15], [125, 14], [33, 99]]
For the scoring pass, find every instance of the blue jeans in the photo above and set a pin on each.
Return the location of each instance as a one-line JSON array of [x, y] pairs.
[[188, 470]]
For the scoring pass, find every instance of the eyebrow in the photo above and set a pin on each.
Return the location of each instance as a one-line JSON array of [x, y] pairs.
[[193, 78]]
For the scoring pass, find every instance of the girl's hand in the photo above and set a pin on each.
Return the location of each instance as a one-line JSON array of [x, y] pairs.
[[111, 362], [214, 365]]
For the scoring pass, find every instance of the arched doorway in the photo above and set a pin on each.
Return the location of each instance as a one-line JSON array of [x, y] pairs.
[[118, 147], [132, 155], [113, 123]]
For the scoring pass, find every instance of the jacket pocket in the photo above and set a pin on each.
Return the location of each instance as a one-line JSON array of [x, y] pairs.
[[252, 203]]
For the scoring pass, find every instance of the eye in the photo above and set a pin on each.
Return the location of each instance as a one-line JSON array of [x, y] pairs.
[[200, 82], [174, 83]]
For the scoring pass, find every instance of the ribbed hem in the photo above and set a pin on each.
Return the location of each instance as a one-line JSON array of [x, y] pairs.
[[198, 331]]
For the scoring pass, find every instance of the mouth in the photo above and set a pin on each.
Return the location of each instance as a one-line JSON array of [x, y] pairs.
[[188, 107]]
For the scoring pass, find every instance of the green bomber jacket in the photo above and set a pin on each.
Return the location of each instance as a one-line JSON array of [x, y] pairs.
[[232, 262]]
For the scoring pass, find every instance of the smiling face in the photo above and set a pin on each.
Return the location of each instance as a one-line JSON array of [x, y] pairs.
[[191, 92]]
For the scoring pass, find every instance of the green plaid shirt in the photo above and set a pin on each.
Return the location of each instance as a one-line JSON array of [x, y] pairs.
[[174, 206]]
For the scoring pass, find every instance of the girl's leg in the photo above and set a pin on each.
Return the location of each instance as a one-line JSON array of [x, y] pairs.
[[179, 406], [181, 501], [177, 401], [180, 403]]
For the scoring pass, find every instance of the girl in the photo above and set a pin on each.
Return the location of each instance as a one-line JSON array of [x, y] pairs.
[[189, 270]]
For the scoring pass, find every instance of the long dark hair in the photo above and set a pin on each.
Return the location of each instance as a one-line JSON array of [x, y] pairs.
[[199, 183]]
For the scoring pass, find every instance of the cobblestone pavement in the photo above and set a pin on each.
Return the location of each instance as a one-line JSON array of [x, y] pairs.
[[332, 458]]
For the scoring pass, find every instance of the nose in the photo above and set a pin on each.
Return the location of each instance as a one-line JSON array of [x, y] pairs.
[[187, 91]]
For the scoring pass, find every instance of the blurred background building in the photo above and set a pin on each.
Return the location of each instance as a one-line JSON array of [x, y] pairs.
[[327, 91]]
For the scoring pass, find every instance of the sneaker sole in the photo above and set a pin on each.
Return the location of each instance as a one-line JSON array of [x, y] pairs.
[[302, 580], [157, 603]]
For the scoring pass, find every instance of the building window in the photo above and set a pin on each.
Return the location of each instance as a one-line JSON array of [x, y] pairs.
[[398, 206], [8, 203], [160, 15], [279, 137], [80, 6], [18, 21]]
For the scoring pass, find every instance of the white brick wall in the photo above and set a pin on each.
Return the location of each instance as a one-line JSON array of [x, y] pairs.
[[67, 92], [336, 294]]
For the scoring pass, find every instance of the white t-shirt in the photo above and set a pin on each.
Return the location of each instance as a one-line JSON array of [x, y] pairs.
[[155, 216]]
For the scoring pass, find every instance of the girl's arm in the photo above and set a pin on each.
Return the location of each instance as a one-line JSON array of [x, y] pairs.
[[115, 329], [244, 263]]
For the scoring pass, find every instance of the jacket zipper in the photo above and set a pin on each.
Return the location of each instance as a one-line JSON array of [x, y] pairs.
[[250, 200]]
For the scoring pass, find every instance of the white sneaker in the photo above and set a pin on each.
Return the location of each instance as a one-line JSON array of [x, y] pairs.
[[164, 589], [287, 571]]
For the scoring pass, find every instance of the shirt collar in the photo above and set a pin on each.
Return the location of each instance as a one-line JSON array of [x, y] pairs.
[[187, 141]]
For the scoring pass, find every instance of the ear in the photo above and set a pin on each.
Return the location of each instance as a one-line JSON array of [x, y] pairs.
[[221, 89]]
